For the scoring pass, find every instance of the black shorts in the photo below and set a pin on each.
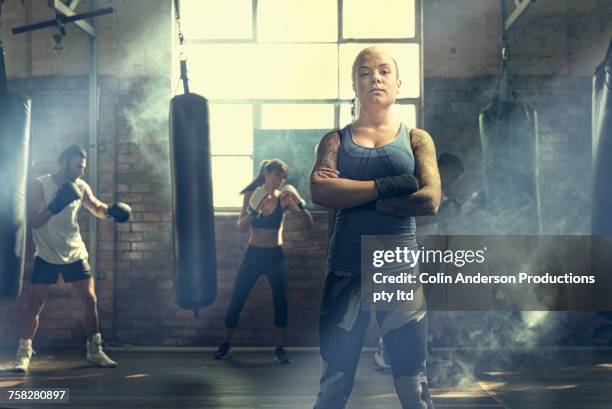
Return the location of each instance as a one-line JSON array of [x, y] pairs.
[[47, 273]]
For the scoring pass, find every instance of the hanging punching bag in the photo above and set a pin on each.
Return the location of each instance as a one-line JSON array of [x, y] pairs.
[[602, 146], [195, 261], [14, 152], [601, 215], [509, 138]]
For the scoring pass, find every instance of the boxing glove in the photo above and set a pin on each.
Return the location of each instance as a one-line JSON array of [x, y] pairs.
[[66, 194], [396, 186], [289, 191], [475, 201], [119, 212], [256, 201]]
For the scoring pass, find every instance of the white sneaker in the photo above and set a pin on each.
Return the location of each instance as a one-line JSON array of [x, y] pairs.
[[24, 355], [96, 355], [381, 359]]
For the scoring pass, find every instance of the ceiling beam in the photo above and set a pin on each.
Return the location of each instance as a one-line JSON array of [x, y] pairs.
[[63, 9], [521, 6]]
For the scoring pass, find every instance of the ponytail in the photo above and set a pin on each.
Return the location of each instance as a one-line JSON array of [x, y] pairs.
[[267, 166], [259, 179]]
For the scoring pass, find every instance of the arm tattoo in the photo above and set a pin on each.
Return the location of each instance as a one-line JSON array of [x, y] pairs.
[[327, 153], [425, 158]]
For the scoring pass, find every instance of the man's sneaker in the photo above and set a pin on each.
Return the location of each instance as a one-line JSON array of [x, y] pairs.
[[281, 356], [223, 351], [381, 360], [96, 355], [24, 355], [426, 396]]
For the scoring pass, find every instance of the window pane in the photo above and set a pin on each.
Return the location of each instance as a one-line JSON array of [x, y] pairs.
[[222, 70], [214, 19], [297, 116], [345, 115], [388, 19], [404, 112], [298, 71], [231, 129], [288, 21], [230, 176], [234, 71], [406, 55]]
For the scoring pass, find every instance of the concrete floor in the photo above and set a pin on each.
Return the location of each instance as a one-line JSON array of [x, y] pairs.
[[252, 380]]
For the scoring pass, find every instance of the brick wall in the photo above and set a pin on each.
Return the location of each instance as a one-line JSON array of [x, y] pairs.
[[563, 103], [553, 37]]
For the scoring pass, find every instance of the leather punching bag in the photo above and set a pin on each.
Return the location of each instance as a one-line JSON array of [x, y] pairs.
[[602, 146], [14, 152], [195, 262]]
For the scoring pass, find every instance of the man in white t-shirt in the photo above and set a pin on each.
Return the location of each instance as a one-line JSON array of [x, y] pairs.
[[54, 201]]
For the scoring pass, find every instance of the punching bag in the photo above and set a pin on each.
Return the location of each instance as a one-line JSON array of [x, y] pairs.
[[195, 262], [601, 215], [14, 152], [602, 147], [509, 138]]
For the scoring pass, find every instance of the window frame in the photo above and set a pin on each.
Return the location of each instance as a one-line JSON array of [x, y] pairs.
[[257, 103]]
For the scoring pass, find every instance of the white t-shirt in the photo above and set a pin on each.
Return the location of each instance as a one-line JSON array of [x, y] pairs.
[[59, 240]]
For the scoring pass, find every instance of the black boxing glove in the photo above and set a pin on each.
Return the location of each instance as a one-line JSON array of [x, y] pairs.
[[66, 194], [396, 186], [119, 212]]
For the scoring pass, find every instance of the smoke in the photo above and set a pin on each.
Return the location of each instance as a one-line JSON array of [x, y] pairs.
[[465, 344], [144, 72], [473, 343], [145, 117]]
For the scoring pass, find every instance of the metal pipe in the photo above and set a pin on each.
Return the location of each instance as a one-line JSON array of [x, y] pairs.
[[63, 19], [3, 77], [421, 33], [93, 145]]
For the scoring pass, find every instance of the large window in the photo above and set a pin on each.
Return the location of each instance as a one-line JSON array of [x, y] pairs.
[[277, 74]]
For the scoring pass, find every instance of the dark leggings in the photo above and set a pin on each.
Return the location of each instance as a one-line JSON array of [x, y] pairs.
[[342, 334], [258, 261]]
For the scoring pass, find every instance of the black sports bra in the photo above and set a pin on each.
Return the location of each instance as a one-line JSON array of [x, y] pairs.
[[271, 221]]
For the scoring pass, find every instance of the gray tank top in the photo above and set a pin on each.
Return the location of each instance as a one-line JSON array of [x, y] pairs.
[[361, 163]]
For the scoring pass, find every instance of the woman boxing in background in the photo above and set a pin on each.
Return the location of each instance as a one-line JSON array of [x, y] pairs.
[[266, 199]]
